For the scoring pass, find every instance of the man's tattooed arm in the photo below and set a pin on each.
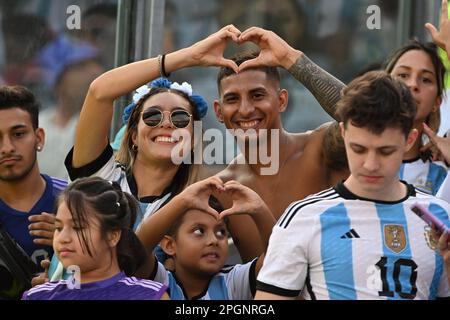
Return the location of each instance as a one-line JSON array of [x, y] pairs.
[[324, 87]]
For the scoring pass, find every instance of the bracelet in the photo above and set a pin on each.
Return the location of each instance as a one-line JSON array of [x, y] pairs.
[[162, 69]]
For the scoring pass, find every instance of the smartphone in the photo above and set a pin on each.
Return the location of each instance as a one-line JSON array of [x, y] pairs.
[[428, 217]]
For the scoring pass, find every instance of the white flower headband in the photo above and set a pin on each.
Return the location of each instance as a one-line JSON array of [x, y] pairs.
[[198, 101], [142, 91]]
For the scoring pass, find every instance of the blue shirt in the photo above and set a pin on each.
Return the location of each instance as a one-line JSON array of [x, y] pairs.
[[16, 222]]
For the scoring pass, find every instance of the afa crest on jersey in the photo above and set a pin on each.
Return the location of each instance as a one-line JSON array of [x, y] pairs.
[[394, 237], [431, 242]]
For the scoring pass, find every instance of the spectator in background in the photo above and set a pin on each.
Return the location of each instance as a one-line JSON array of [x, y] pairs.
[[287, 18], [70, 70], [419, 66], [98, 28], [24, 35]]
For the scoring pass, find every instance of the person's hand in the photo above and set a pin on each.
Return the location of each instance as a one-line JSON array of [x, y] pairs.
[[245, 200], [42, 227], [444, 247], [275, 52], [43, 276], [209, 51], [196, 196], [438, 145], [442, 36], [443, 243]]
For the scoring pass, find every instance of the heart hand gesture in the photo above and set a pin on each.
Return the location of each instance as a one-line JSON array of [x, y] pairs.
[[209, 51], [275, 52]]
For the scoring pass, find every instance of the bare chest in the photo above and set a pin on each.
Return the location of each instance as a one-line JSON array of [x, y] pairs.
[[280, 190]]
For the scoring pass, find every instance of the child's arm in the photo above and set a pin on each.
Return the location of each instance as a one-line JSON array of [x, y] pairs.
[[154, 228], [247, 201], [442, 36]]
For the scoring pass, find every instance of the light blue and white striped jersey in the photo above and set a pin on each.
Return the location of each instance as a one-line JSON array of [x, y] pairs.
[[334, 245], [444, 190], [235, 282], [426, 176]]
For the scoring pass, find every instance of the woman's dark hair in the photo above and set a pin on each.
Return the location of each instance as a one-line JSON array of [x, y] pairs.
[[213, 203], [114, 209], [126, 154], [431, 49]]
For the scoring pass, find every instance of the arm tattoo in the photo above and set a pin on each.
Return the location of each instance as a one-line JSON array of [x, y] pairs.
[[324, 87]]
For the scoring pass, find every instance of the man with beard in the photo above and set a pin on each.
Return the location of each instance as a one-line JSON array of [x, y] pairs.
[[27, 197]]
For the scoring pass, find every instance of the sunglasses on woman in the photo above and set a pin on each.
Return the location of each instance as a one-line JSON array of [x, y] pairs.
[[179, 118]]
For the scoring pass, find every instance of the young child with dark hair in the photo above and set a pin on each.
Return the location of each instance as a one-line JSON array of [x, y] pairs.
[[191, 230], [94, 236]]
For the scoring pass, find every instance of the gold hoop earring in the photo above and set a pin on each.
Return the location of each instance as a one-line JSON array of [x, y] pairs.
[[134, 148]]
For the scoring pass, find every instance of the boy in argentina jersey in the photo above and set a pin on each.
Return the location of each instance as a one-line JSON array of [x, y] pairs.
[[360, 240], [192, 231]]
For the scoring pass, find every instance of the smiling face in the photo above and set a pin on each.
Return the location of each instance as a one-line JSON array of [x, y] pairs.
[[415, 68], [156, 143], [18, 144], [249, 100], [200, 245]]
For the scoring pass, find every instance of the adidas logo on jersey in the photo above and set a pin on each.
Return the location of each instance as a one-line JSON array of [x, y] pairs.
[[350, 235]]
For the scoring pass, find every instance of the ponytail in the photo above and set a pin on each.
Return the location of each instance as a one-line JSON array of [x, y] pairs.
[[115, 210]]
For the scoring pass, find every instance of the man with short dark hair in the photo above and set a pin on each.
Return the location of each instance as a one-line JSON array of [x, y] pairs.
[[253, 100], [27, 197], [251, 103]]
